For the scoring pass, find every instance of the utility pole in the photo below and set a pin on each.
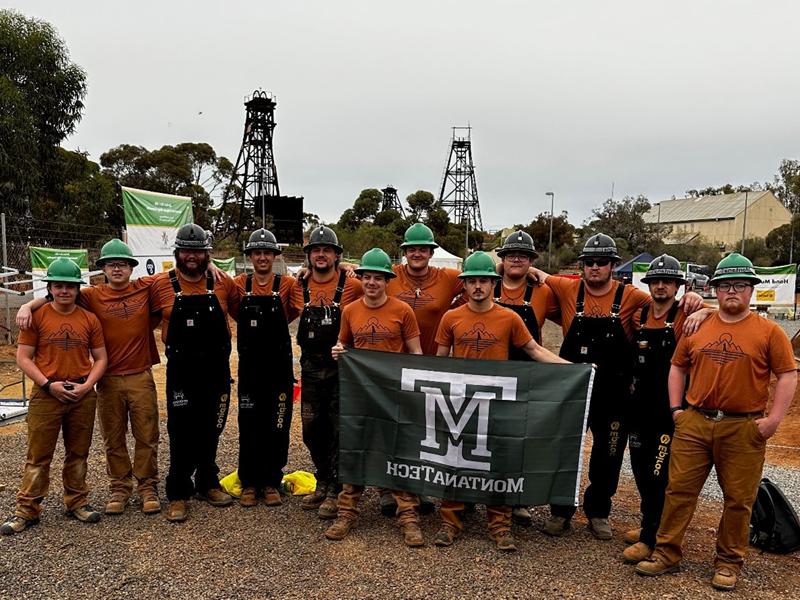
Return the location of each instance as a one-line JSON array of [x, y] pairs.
[[744, 221], [550, 243]]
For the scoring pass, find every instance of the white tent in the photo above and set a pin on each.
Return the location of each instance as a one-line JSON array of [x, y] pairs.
[[442, 258]]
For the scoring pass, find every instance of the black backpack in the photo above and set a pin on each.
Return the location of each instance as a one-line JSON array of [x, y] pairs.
[[774, 526]]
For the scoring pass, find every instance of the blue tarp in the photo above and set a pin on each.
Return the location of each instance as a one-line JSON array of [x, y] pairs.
[[626, 268]]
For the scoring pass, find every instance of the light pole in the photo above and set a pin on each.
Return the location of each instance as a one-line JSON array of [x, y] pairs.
[[744, 221], [550, 243]]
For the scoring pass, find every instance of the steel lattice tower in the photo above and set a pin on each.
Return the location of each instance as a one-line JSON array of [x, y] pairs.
[[459, 194], [391, 201]]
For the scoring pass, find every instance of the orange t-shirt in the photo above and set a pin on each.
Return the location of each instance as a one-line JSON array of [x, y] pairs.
[[429, 297], [125, 317], [487, 335], [566, 292], [321, 294], [285, 291], [543, 301], [729, 363], [162, 296], [386, 327], [658, 323], [63, 342]]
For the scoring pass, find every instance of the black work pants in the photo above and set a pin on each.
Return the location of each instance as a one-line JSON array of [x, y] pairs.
[[265, 418], [320, 414], [649, 449], [197, 407], [609, 437]]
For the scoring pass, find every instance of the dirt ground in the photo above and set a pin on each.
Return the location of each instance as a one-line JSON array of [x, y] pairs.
[[266, 553]]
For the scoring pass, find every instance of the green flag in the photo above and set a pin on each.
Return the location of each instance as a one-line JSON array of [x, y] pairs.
[[226, 264], [494, 432]]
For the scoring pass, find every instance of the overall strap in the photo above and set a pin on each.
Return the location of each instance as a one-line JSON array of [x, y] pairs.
[[526, 300], [337, 297], [276, 284], [673, 312], [176, 285], [498, 290], [643, 316], [248, 284], [579, 301], [617, 300], [304, 285]]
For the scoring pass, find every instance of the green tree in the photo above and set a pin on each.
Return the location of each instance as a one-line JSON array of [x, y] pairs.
[[781, 239], [420, 204], [624, 219], [787, 184], [367, 204], [41, 102]]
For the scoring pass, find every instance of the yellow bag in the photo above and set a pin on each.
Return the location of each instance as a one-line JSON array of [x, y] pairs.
[[298, 483], [231, 484]]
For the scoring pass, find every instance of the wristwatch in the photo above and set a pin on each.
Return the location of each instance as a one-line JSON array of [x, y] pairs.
[[674, 409], [46, 386]]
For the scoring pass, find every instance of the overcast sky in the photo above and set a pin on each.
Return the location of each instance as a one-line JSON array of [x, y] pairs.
[[657, 97]]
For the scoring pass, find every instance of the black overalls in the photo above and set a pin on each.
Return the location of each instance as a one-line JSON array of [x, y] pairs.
[[602, 341], [265, 387], [524, 310], [198, 389], [650, 420], [317, 333]]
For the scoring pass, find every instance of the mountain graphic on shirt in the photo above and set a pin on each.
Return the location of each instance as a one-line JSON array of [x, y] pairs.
[[415, 300], [477, 338], [124, 309], [371, 333], [321, 299], [65, 339], [724, 350]]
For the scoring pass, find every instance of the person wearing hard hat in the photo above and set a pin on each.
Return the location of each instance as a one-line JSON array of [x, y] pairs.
[[658, 328], [533, 303], [597, 321], [320, 297], [63, 353], [377, 322], [194, 309], [265, 403], [729, 362], [484, 330]]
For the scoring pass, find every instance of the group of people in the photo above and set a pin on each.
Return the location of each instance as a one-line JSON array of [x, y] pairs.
[[645, 348]]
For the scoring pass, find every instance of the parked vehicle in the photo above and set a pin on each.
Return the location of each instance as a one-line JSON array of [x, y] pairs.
[[697, 276]]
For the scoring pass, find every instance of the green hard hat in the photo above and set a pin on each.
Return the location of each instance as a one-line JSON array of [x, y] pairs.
[[418, 234], [479, 264], [116, 249], [734, 266], [65, 270], [376, 261], [664, 267]]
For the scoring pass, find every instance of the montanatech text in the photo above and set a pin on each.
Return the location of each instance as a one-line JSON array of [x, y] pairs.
[[452, 480]]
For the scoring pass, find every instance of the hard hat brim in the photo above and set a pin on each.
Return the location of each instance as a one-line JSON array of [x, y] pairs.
[[308, 247], [422, 244], [466, 274], [101, 261], [501, 252], [388, 272], [63, 279]]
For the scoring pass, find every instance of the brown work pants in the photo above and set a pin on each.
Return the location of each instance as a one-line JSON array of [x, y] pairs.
[[46, 418], [736, 449], [407, 504], [120, 398], [498, 518]]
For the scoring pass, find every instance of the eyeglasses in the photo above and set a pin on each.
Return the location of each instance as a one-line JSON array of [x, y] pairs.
[[739, 286], [117, 265], [600, 262], [517, 257]]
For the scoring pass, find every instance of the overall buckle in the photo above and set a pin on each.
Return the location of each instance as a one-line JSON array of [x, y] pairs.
[[716, 417]]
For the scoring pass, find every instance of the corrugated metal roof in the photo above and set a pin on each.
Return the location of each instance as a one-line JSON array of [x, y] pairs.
[[705, 208]]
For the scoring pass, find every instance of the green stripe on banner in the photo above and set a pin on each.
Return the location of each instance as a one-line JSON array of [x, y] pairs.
[[226, 264], [42, 257], [155, 209], [493, 432], [779, 270]]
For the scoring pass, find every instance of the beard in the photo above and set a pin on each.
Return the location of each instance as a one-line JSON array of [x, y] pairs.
[[597, 283], [191, 271]]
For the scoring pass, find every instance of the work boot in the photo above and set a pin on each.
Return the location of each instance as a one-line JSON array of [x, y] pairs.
[[427, 504], [653, 567], [412, 534], [445, 536], [339, 529], [313, 500], [177, 511], [600, 528], [329, 509], [724, 579], [388, 504], [636, 553], [521, 515], [248, 497], [272, 497], [116, 504], [631, 536], [151, 505], [504, 541], [85, 514], [556, 526], [216, 497], [17, 524]]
